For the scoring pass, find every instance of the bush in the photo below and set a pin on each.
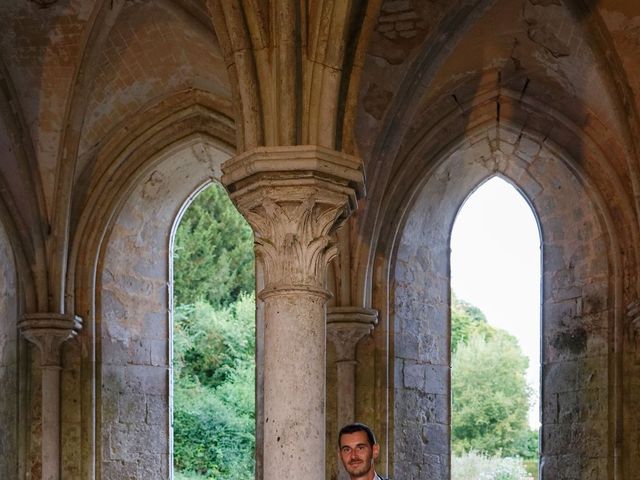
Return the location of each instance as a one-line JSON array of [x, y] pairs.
[[213, 252], [214, 391], [475, 466], [188, 476], [214, 342], [212, 437]]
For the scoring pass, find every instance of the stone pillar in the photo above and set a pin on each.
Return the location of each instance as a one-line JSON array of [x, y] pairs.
[[294, 198], [346, 326], [48, 331]]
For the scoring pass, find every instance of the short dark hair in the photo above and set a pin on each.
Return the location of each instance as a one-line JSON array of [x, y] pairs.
[[357, 427]]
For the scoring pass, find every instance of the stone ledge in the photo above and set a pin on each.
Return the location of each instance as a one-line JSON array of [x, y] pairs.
[[291, 159]]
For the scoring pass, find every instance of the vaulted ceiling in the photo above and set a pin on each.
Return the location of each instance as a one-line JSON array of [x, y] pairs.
[[76, 74]]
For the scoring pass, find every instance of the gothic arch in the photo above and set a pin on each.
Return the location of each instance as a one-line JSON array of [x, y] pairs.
[[438, 82], [582, 308], [133, 319], [531, 125], [142, 178]]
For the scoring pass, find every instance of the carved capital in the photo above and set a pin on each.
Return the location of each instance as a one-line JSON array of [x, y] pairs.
[[49, 331], [294, 198], [346, 326]]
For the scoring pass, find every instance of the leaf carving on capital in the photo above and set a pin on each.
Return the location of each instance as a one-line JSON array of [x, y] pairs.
[[293, 239]]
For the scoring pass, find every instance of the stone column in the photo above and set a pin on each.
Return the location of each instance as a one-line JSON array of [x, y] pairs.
[[346, 326], [48, 331], [294, 198]]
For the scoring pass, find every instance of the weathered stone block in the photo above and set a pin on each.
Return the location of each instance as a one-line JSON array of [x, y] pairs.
[[147, 379], [139, 352], [131, 407], [414, 376], [559, 377], [436, 439]]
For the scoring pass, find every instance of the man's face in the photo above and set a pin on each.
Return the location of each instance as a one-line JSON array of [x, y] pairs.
[[357, 455]]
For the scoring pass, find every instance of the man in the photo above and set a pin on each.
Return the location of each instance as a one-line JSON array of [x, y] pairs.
[[358, 451]]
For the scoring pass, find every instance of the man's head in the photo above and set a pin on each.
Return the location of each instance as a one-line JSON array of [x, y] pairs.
[[358, 450]]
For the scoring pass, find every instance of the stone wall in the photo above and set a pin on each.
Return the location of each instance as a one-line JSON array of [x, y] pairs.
[[577, 311], [135, 324], [631, 386], [8, 362]]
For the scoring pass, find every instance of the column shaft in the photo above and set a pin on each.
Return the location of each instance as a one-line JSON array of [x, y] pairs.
[[294, 197], [50, 423], [346, 375], [294, 386]]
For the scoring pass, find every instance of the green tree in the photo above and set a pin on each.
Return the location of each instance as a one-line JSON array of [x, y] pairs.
[[214, 342], [467, 320], [490, 395], [214, 392], [213, 251]]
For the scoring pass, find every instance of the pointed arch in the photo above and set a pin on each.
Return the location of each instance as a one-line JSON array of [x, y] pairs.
[[496, 267], [582, 305]]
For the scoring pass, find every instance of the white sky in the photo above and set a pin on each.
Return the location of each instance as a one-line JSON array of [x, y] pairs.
[[495, 265]]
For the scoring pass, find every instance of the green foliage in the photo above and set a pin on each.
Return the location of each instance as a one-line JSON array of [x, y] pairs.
[[490, 396], [178, 475], [214, 392], [214, 342], [211, 344], [475, 466], [532, 467], [211, 436], [466, 321], [525, 445], [213, 252]]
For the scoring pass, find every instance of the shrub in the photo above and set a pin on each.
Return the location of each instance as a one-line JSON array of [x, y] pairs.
[[475, 466]]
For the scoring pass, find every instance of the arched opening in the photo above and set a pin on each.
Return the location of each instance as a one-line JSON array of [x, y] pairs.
[[577, 311], [213, 341], [134, 312], [495, 335]]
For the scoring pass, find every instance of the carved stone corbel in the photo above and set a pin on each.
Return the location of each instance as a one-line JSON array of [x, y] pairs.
[[346, 326], [48, 331], [294, 198]]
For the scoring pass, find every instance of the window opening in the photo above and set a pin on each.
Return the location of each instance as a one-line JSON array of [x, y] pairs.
[[213, 342], [495, 336]]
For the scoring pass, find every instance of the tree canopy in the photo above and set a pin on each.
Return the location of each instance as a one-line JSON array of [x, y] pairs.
[[490, 395], [214, 342], [213, 258], [467, 320]]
